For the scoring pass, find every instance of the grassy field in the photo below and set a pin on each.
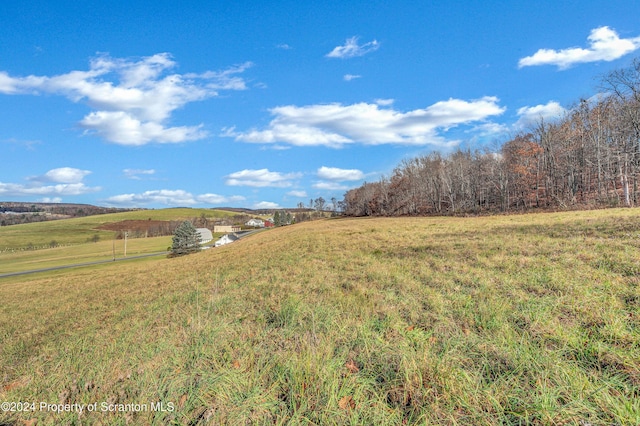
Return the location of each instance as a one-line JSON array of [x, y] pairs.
[[81, 230], [26, 260], [531, 319]]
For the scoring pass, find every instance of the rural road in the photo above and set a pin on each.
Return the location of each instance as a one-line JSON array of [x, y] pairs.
[[76, 265], [98, 262]]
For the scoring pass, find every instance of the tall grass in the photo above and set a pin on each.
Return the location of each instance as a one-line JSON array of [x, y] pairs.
[[531, 319]]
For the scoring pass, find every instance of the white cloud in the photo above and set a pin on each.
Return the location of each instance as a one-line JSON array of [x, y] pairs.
[[219, 199], [330, 186], [62, 175], [122, 128], [133, 99], [266, 205], [135, 173], [336, 174], [299, 194], [351, 49], [19, 190], [487, 130], [604, 45], [349, 77], [170, 197], [261, 178], [51, 200], [334, 125], [529, 116], [284, 46], [384, 102], [56, 182]]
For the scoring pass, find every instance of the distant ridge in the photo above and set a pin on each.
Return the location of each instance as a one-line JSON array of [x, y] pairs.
[[17, 212]]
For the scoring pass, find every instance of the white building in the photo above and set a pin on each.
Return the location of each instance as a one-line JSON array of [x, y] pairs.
[[257, 223], [205, 235], [226, 239]]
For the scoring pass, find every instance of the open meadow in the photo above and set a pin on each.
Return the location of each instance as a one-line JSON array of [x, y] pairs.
[[49, 244], [521, 319]]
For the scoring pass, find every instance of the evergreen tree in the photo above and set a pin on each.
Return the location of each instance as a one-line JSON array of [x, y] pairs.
[[185, 240]]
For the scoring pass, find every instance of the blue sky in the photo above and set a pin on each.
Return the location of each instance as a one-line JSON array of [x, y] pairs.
[[268, 104]]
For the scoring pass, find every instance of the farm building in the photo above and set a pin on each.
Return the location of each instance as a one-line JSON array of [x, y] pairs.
[[205, 235], [226, 228], [226, 239], [257, 223]]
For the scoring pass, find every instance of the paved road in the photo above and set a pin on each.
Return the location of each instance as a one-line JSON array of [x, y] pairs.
[[76, 265], [98, 262]]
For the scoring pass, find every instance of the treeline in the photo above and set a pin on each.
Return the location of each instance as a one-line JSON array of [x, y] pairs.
[[15, 213], [588, 158]]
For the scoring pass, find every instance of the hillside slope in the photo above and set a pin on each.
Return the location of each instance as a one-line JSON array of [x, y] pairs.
[[531, 319]]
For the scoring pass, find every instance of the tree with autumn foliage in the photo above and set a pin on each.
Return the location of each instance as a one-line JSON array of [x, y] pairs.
[[522, 157], [588, 157]]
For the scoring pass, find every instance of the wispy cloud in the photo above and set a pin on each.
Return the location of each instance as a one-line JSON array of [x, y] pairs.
[[604, 45], [349, 77], [262, 178], [219, 199], [133, 99], [299, 194], [64, 181], [489, 130], [351, 49], [330, 186], [384, 102], [171, 197], [266, 205], [335, 125], [51, 200], [136, 174], [27, 144]]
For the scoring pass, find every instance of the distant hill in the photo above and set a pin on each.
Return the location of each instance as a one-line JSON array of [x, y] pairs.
[[15, 212]]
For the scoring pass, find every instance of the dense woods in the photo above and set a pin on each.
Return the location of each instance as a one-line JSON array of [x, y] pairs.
[[588, 158]]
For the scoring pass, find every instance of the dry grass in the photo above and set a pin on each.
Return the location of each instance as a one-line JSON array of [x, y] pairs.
[[531, 319]]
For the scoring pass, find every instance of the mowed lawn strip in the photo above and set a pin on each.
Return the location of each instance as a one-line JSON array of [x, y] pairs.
[[530, 319]]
